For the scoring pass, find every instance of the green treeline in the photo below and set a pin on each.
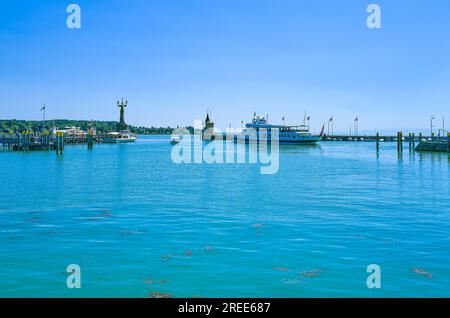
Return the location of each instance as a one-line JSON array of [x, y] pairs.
[[13, 126]]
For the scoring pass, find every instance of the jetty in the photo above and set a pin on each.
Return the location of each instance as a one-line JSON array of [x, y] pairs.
[[424, 143], [440, 144], [28, 141]]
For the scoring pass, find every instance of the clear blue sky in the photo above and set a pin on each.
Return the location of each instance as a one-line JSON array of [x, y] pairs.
[[174, 59]]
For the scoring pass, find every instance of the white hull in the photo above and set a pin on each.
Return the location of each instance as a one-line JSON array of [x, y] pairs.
[[125, 136], [260, 129], [118, 141], [297, 140]]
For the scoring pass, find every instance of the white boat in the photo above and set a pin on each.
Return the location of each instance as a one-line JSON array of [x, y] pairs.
[[123, 136], [175, 140], [259, 128]]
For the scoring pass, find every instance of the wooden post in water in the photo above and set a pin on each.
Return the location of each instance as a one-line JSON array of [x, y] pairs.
[[413, 141], [378, 141], [410, 141], [59, 143], [90, 140], [46, 141], [399, 141]]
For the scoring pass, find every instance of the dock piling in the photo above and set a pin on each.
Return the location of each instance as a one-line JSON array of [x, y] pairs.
[[59, 143], [410, 142], [399, 141], [90, 141], [378, 141]]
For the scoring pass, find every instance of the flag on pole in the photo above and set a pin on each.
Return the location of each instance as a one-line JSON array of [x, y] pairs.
[[308, 118], [43, 108], [331, 119], [356, 119]]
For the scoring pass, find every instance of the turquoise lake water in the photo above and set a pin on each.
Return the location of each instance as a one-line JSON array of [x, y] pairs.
[[137, 223]]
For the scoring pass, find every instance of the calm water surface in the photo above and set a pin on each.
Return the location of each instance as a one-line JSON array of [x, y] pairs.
[[136, 223]]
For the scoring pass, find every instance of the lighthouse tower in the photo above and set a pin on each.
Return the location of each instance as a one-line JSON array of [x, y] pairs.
[[208, 131]]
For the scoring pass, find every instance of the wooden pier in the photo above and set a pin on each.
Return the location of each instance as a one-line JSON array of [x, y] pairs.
[[376, 138], [45, 142], [424, 143], [435, 144]]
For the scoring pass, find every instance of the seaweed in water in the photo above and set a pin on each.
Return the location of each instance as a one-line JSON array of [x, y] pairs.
[[311, 273], [422, 272], [160, 295]]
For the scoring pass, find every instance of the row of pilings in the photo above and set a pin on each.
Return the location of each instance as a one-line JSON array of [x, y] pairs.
[[433, 144]]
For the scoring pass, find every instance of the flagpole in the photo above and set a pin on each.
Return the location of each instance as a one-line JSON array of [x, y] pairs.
[[43, 113], [431, 125], [330, 121], [356, 126]]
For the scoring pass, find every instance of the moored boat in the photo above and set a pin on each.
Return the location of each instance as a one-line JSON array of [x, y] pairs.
[[175, 140], [123, 136], [259, 128]]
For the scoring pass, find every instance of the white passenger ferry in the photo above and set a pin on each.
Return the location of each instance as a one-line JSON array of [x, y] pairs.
[[123, 136], [260, 128]]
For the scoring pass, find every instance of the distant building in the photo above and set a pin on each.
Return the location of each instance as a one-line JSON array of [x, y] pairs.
[[71, 131], [209, 124], [208, 131]]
